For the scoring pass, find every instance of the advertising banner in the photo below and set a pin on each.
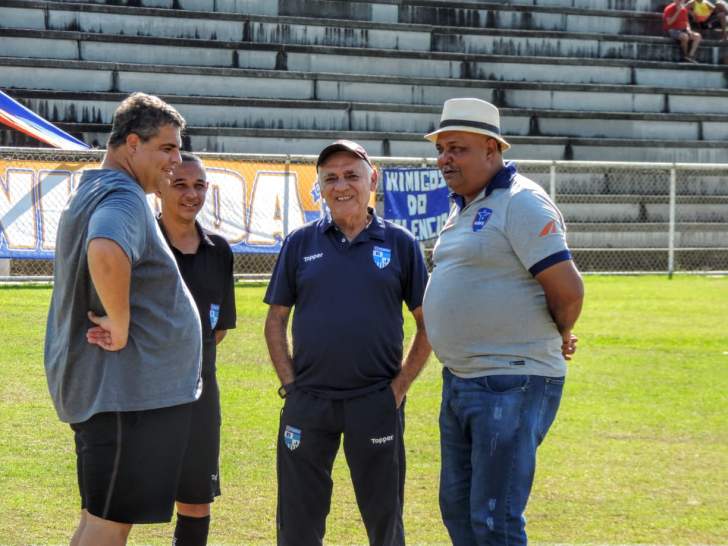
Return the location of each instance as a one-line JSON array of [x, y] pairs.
[[416, 199], [252, 204]]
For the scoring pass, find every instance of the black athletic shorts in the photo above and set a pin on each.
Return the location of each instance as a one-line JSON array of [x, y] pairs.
[[129, 463], [200, 479]]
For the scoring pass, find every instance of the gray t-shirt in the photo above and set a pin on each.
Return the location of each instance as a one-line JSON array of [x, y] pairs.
[[485, 313], [160, 365]]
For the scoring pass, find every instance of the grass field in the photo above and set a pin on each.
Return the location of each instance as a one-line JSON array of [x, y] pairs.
[[638, 454]]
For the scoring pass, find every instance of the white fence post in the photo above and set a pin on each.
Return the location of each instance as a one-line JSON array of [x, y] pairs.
[[286, 195], [552, 181], [671, 228]]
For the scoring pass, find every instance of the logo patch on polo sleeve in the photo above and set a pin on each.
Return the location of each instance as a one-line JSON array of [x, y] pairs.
[[481, 218], [214, 314], [292, 437], [552, 227], [381, 256]]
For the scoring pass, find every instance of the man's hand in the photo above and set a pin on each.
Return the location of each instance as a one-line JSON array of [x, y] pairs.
[[568, 345], [398, 390], [106, 334]]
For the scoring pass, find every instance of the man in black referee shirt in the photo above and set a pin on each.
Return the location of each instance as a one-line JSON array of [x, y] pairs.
[[206, 264]]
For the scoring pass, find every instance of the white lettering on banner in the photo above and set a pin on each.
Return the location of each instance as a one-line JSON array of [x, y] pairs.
[[413, 181], [266, 212], [224, 211], [417, 204], [76, 179], [424, 228], [55, 189], [215, 191], [17, 209]]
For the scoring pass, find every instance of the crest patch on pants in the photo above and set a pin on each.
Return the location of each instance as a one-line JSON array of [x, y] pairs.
[[381, 256], [214, 314], [292, 437]]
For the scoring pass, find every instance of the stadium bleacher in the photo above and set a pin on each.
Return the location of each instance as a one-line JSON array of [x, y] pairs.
[[574, 83]]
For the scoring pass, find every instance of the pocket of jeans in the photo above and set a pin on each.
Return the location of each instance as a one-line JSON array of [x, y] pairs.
[[504, 384], [554, 386]]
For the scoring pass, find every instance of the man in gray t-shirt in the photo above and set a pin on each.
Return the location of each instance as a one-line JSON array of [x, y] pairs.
[[502, 300], [123, 340]]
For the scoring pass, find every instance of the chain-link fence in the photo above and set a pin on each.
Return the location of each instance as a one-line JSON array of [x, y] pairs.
[[639, 217], [621, 217]]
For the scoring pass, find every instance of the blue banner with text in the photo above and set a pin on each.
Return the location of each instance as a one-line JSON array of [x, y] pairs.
[[416, 198]]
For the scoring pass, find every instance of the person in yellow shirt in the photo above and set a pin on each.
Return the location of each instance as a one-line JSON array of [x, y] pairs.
[[706, 15]]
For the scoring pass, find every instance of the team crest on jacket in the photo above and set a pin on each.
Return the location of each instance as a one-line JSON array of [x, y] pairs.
[[214, 314], [481, 218], [381, 256], [292, 437]]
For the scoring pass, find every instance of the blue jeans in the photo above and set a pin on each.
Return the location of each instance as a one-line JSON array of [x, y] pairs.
[[490, 428]]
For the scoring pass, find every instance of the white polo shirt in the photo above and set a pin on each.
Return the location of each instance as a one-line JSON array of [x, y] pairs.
[[485, 313]]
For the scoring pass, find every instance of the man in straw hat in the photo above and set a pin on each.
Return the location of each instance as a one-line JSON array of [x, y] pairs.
[[499, 309], [347, 275]]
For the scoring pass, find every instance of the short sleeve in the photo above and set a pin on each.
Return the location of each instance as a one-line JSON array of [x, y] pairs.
[[121, 217], [536, 231], [415, 281], [282, 287], [228, 314]]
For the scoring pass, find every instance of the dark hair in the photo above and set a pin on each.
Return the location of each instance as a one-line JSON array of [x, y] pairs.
[[142, 115], [189, 156]]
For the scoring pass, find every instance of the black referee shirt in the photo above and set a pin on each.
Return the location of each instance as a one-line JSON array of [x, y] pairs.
[[208, 273]]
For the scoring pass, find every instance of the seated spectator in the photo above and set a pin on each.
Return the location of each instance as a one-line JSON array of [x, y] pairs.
[[676, 23], [706, 15]]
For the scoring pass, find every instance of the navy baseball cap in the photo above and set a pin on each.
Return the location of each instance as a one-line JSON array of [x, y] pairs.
[[343, 146]]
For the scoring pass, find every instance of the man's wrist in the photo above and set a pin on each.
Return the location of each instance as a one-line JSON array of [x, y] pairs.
[[286, 389]]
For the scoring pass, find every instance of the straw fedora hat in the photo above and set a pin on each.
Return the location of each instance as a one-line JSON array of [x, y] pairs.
[[471, 116]]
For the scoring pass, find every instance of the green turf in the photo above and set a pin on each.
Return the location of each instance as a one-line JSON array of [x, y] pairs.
[[638, 454]]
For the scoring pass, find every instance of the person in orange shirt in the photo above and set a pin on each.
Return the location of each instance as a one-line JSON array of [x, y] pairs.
[[706, 15], [676, 23]]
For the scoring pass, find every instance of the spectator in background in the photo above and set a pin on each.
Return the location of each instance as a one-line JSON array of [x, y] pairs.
[[676, 23], [706, 15]]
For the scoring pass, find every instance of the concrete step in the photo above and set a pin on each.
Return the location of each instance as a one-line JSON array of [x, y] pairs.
[[380, 117], [631, 185], [68, 45], [241, 140], [639, 213], [535, 17], [89, 76], [167, 23], [581, 15], [654, 235]]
